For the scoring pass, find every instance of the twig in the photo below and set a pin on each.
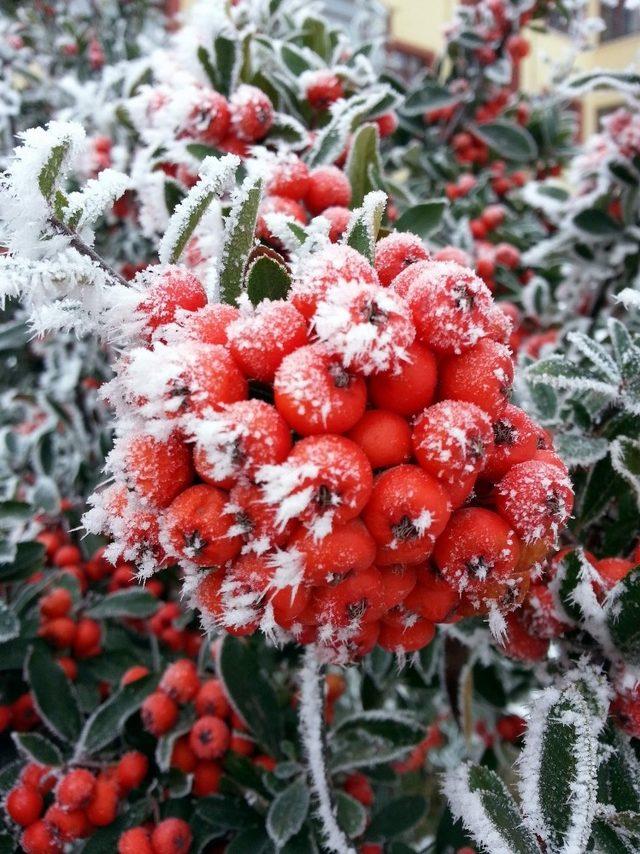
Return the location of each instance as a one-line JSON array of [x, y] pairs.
[[312, 734], [84, 249]]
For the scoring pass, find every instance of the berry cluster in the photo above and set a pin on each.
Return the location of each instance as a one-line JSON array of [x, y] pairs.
[[340, 467]]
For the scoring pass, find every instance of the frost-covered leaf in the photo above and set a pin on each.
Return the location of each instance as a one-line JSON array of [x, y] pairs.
[[596, 223], [509, 140], [479, 798], [625, 81], [602, 363], [239, 238], [372, 738], [396, 817], [228, 56], [53, 696], [106, 723], [558, 766], [430, 96], [623, 617], [364, 225], [351, 815], [288, 812], [579, 450], [29, 558], [9, 623], [557, 372], [363, 155], [619, 772], [267, 278], [625, 459], [423, 219], [37, 748], [135, 603]]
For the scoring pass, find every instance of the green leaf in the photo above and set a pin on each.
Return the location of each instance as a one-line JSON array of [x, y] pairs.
[[106, 723], [200, 151], [295, 59], [373, 738], [134, 602], [351, 815], [397, 817], [365, 225], [239, 239], [508, 140], [619, 772], [9, 623], [267, 279], [29, 559], [623, 617], [590, 80], [625, 459], [596, 223], [480, 799], [52, 693], [51, 169], [363, 154], [250, 693], [227, 53], [254, 840], [423, 219], [288, 812], [579, 450], [226, 812], [204, 57], [37, 748], [430, 96], [6, 843]]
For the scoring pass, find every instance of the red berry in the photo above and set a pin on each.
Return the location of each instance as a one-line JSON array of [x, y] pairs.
[[384, 436], [173, 289], [158, 470], [180, 681], [76, 789], [67, 556], [451, 439], [511, 727], [613, 569], [138, 671], [339, 218], [315, 394], [347, 548], [357, 598], [477, 554], [57, 603], [406, 635], [432, 598], [38, 777], [289, 178], [255, 520], [182, 756], [410, 386], [277, 205], [210, 118], [359, 787], [198, 527], [260, 341], [320, 271], [39, 838], [328, 187], [132, 769], [387, 124], [397, 583], [209, 737], [60, 632], [136, 840], [251, 113], [211, 699], [68, 825], [517, 47], [209, 324], [206, 779], [493, 216], [104, 805], [69, 667], [24, 805], [483, 375], [520, 644], [625, 708], [211, 380], [159, 713], [171, 836], [516, 440], [322, 88], [87, 639], [395, 253], [536, 498], [407, 512], [24, 713]]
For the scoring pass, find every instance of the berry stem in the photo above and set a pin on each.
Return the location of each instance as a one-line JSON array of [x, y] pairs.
[[313, 737], [84, 249]]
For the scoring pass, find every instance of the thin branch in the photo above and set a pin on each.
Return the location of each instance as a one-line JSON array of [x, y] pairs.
[[84, 249], [312, 734]]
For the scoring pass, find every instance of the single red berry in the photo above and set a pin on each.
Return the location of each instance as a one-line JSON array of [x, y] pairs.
[[255, 520], [87, 639], [314, 393], [182, 756], [209, 737], [511, 727], [483, 375], [60, 632], [322, 88], [397, 583], [517, 47], [339, 218], [67, 556], [493, 216], [24, 714], [359, 787], [210, 118], [321, 270], [356, 599], [345, 549], [520, 644], [69, 667], [477, 554], [68, 825], [132, 769], [516, 440], [407, 634], [173, 289], [613, 569], [211, 380], [277, 205], [138, 671], [209, 324], [76, 789], [387, 124], [251, 113], [432, 597], [38, 777], [536, 498], [384, 436], [198, 527], [408, 388], [206, 779], [158, 470], [57, 603], [395, 253], [407, 512], [39, 838], [625, 708], [136, 840], [180, 681], [211, 699], [289, 178], [103, 808], [171, 836], [159, 713], [260, 341], [328, 187], [24, 805]]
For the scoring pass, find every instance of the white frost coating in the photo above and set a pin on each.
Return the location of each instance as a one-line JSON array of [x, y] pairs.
[[311, 729], [467, 806], [629, 297], [215, 176], [86, 205]]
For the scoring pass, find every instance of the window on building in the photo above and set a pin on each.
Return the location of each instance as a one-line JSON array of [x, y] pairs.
[[618, 21]]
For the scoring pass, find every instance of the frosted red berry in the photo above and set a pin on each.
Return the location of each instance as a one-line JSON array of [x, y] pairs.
[[209, 737], [198, 527], [483, 375], [395, 253], [159, 713], [251, 113], [328, 187]]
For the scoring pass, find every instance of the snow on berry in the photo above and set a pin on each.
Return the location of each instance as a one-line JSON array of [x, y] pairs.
[[251, 113], [318, 272], [395, 253], [536, 498]]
